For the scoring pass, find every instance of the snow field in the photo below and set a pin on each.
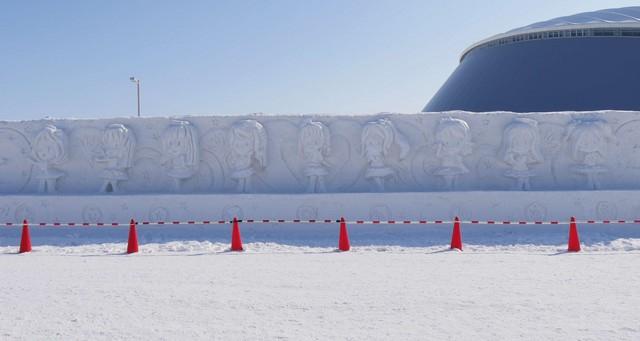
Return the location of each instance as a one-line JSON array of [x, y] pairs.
[[274, 237], [314, 293], [510, 283]]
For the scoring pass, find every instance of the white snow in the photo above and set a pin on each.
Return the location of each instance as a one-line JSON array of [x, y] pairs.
[[397, 283], [213, 154], [430, 165]]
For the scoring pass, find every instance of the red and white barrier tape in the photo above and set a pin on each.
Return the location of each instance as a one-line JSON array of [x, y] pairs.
[[327, 221]]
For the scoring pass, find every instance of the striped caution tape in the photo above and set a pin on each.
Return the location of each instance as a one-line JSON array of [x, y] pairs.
[[327, 221]]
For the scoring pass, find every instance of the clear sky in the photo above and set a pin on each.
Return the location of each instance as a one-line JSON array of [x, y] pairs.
[[70, 58]]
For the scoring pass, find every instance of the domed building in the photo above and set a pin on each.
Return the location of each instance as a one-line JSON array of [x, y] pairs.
[[583, 62]]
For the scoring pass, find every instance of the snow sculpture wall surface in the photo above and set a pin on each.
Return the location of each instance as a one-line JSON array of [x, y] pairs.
[[248, 154], [115, 153], [426, 152], [496, 205], [378, 137], [314, 143], [181, 150], [48, 149], [521, 150]]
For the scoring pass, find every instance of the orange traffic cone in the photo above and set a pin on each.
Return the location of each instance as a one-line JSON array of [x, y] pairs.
[[456, 236], [25, 241], [343, 243], [574, 239], [132, 247], [236, 240]]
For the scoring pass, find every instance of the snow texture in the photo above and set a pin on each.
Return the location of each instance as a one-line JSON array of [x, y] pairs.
[[198, 291], [314, 153], [398, 282], [476, 205], [433, 165]]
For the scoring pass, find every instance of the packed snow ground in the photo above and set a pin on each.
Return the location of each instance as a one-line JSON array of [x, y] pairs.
[[399, 283]]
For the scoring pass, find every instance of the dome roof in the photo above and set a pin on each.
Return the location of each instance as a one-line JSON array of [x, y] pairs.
[[581, 62], [604, 17], [625, 17]]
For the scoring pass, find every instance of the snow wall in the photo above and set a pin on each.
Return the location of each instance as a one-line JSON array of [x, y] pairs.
[[518, 166]]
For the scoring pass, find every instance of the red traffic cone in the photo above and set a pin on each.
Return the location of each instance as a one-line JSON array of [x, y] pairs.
[[574, 240], [456, 236], [236, 240], [132, 247], [25, 241], [343, 243]]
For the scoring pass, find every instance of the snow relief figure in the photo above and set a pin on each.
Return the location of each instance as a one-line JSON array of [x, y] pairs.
[[118, 145], [453, 143], [48, 149], [521, 149], [590, 139], [378, 137], [248, 142], [181, 155], [314, 145]]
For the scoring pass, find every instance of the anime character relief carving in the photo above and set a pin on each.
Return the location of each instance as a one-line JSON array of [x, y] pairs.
[[521, 149], [377, 139], [248, 154], [48, 150], [181, 155], [453, 143], [314, 143], [589, 142], [316, 153], [116, 154]]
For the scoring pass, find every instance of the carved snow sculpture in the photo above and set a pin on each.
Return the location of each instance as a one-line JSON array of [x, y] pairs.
[[453, 143], [521, 149], [48, 149], [248, 155], [378, 137], [118, 145], [589, 141], [314, 145], [181, 155]]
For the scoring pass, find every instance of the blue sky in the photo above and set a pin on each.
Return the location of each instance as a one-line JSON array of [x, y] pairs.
[[74, 58]]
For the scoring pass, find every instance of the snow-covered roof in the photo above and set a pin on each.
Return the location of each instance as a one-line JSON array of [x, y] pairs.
[[613, 18], [625, 15]]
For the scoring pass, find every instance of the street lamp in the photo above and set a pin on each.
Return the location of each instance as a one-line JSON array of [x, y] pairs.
[[137, 81]]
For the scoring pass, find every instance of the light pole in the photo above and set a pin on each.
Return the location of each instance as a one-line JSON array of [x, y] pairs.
[[137, 81]]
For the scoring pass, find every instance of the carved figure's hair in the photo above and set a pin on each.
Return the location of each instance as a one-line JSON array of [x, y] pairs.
[[51, 135], [185, 133], [254, 130], [313, 130], [579, 130], [456, 128], [523, 127], [117, 136], [386, 130]]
